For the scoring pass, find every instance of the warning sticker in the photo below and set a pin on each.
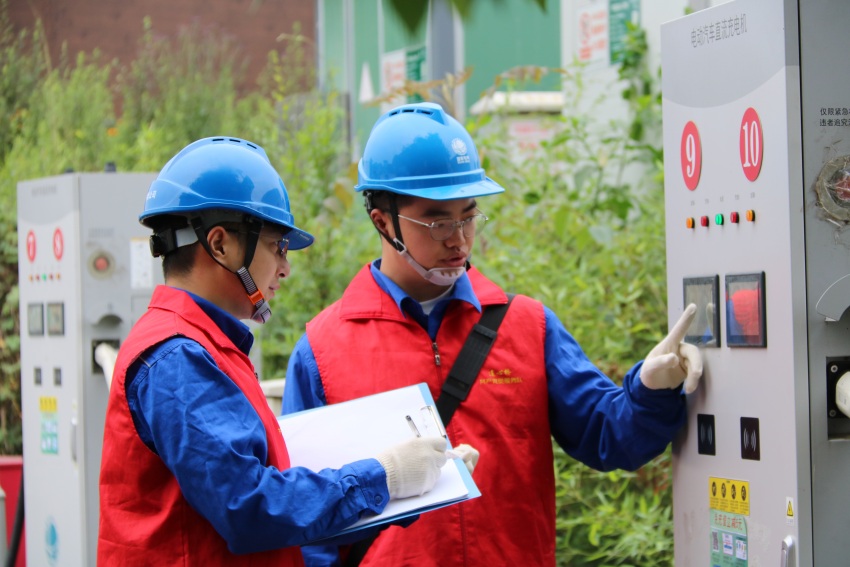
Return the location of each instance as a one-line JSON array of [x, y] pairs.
[[789, 511], [727, 495]]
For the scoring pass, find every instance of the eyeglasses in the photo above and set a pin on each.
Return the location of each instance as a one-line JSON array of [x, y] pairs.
[[282, 246], [281, 243], [443, 229]]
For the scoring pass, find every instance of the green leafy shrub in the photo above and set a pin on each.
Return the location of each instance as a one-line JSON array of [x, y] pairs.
[[581, 228]]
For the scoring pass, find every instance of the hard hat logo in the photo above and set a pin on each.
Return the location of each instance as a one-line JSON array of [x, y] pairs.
[[460, 149]]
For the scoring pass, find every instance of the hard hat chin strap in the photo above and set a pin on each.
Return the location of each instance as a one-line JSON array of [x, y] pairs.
[[262, 311], [436, 276]]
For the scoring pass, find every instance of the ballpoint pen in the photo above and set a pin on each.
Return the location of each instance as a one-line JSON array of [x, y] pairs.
[[412, 426], [451, 454]]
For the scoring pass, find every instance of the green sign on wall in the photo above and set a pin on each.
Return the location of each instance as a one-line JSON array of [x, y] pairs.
[[414, 63], [620, 13]]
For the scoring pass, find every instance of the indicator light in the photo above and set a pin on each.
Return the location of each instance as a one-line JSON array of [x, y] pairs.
[[734, 218], [703, 221], [718, 219], [751, 215], [101, 263], [689, 222]]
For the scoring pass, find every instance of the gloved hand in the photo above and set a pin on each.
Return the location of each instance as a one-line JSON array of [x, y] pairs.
[[466, 452], [672, 361], [413, 467]]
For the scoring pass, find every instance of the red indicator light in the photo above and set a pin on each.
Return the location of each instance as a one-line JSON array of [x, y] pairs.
[[751, 215], [689, 222], [101, 264], [734, 218], [703, 221]]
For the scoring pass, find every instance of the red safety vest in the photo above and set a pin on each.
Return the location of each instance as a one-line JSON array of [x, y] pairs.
[[364, 345], [144, 518]]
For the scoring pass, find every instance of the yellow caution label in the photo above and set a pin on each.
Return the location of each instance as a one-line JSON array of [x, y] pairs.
[[789, 511], [47, 404], [728, 495]]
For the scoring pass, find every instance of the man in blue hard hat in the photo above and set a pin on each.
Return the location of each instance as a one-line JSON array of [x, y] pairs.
[[404, 319], [194, 468]]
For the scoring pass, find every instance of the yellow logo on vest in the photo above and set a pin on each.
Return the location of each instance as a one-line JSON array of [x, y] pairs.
[[505, 376]]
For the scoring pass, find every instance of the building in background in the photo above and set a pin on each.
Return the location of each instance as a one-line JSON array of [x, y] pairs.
[[365, 51], [115, 28]]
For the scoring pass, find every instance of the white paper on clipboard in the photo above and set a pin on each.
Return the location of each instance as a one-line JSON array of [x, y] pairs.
[[338, 434]]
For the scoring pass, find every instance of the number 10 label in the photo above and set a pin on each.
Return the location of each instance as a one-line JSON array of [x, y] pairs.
[[750, 144]]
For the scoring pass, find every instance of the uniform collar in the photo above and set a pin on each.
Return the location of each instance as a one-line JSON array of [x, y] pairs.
[[238, 332], [462, 290]]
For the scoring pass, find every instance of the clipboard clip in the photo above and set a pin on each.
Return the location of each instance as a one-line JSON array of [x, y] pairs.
[[431, 411], [428, 414]]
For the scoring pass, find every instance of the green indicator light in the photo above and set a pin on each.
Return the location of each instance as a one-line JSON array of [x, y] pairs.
[[44, 277], [718, 219]]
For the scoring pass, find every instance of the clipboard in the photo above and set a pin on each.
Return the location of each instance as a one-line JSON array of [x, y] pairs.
[[334, 435]]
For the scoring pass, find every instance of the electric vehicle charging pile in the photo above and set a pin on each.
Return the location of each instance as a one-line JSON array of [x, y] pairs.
[[756, 116], [86, 275]]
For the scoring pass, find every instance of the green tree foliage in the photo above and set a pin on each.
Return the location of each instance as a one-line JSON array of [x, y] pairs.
[[176, 90]]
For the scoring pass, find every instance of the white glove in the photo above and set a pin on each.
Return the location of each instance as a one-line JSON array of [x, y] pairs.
[[413, 467], [466, 452], [672, 361]]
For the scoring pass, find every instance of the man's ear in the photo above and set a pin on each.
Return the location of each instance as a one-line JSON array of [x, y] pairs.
[[381, 221], [221, 243]]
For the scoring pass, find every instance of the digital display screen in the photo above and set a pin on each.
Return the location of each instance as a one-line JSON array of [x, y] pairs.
[[745, 312], [56, 319], [704, 293], [35, 319]]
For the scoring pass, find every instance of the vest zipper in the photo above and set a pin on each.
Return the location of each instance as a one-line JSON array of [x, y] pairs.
[[436, 353]]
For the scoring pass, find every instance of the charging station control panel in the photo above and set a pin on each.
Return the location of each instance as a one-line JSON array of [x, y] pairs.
[[756, 112]]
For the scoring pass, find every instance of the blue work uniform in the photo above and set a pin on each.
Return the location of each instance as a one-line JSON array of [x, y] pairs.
[[179, 398]]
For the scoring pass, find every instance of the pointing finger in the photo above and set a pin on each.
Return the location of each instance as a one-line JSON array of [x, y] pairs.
[[680, 329]]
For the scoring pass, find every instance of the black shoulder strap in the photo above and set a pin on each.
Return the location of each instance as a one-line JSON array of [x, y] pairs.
[[472, 356], [456, 387]]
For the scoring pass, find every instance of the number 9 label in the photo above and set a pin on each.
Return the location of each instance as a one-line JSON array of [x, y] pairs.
[[691, 155]]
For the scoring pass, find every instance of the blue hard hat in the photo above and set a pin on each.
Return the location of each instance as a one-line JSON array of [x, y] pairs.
[[419, 150], [223, 173]]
